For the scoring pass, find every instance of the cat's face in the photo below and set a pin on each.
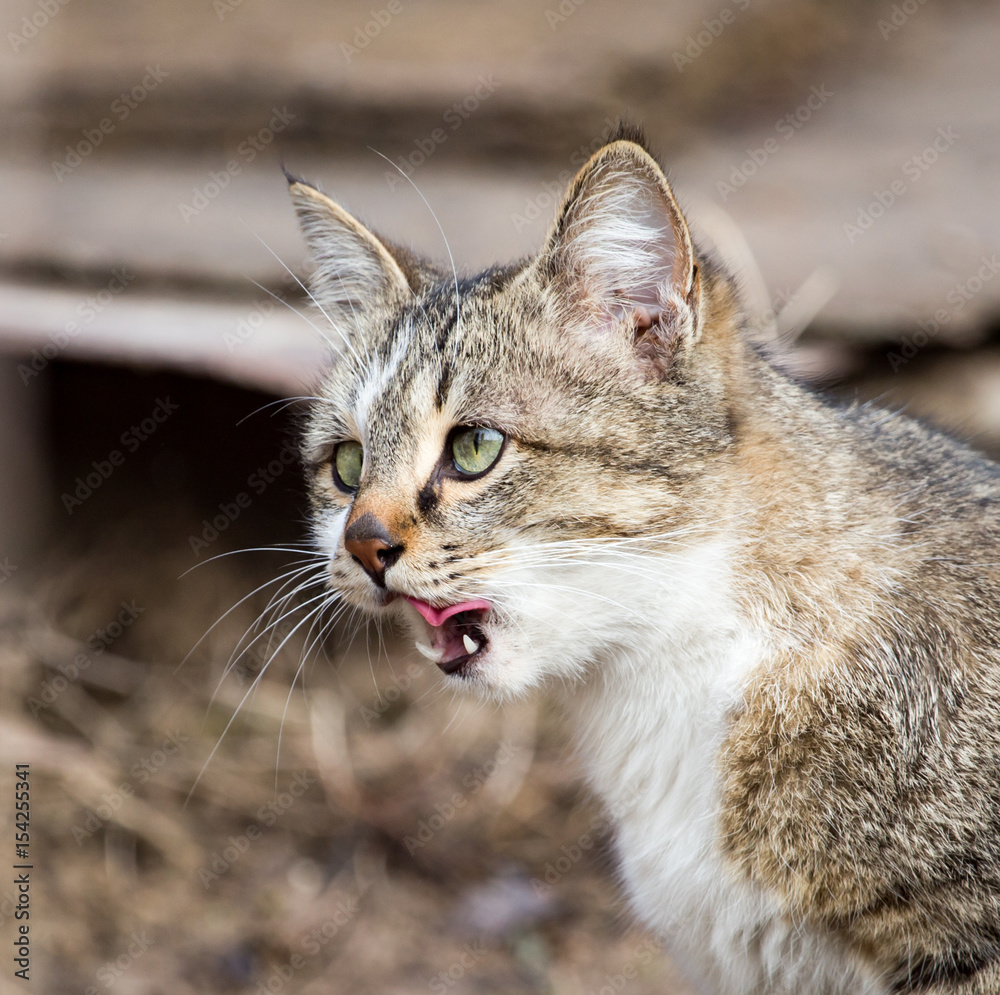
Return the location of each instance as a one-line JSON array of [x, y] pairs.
[[519, 465]]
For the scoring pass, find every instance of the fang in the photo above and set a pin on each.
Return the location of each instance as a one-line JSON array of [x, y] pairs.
[[432, 654], [471, 646]]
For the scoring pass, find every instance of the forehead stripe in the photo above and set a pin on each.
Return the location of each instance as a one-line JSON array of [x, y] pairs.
[[444, 383]]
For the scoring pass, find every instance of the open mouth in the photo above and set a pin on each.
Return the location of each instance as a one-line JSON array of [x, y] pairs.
[[457, 632]]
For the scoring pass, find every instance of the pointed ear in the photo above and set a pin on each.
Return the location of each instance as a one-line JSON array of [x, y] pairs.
[[621, 252], [355, 270]]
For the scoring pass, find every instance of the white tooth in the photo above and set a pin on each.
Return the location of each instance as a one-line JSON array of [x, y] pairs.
[[429, 652], [471, 646]]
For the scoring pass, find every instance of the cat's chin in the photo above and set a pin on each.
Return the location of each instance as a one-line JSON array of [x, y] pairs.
[[494, 675]]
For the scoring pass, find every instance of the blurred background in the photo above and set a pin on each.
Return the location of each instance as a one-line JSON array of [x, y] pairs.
[[305, 810]]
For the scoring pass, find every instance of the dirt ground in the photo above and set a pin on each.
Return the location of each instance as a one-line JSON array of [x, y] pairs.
[[401, 841], [222, 806], [218, 807]]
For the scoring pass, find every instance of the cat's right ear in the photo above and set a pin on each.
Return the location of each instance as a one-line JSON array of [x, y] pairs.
[[355, 271], [620, 256]]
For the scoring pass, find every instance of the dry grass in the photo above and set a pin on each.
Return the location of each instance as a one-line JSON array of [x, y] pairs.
[[404, 864]]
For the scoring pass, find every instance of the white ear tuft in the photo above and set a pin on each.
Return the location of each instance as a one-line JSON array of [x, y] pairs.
[[622, 250], [355, 271]]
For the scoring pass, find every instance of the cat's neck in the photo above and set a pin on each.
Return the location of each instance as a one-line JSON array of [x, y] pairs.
[[641, 708], [647, 723]]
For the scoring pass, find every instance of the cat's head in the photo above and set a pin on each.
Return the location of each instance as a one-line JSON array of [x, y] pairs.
[[524, 464]]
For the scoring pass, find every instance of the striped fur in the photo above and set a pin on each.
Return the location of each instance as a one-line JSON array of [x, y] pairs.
[[773, 621]]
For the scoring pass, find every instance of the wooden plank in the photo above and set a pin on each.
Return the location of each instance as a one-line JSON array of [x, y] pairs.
[[258, 344]]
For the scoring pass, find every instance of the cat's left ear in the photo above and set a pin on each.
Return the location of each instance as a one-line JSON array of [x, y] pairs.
[[356, 271], [621, 253]]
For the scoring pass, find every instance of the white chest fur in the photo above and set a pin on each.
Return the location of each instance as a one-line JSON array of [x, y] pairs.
[[648, 726]]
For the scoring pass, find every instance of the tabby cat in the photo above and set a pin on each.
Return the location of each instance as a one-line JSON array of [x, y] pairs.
[[774, 622]]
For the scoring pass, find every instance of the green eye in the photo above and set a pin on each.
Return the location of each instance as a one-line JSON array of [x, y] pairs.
[[348, 459], [475, 450]]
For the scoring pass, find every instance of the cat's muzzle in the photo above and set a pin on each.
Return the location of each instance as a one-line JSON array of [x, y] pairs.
[[457, 633]]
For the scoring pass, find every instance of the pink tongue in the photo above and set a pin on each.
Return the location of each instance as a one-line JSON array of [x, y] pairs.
[[437, 616]]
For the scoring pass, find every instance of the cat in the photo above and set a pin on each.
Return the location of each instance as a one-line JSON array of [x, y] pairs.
[[773, 621]]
